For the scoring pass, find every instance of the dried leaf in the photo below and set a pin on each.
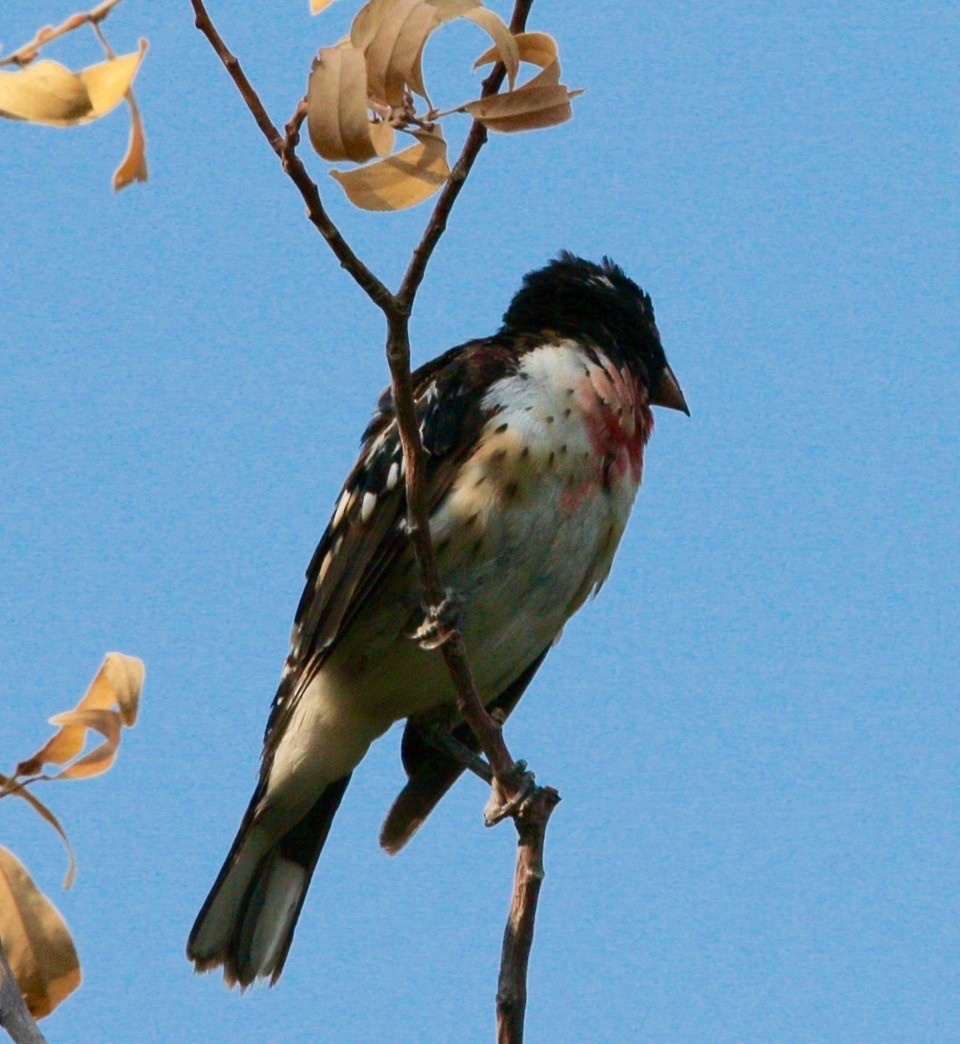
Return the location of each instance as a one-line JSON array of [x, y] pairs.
[[535, 48], [540, 102], [36, 940], [505, 43], [49, 93], [401, 181], [316, 6], [11, 786], [395, 51], [393, 33], [133, 166], [117, 683], [108, 82], [526, 108], [367, 21], [44, 92], [337, 118], [107, 723]]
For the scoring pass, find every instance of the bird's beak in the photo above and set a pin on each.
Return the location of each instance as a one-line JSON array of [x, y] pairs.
[[666, 392]]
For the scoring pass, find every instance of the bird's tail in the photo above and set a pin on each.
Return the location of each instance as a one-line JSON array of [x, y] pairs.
[[246, 924]]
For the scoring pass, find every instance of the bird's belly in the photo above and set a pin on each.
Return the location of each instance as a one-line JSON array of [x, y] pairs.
[[541, 542]]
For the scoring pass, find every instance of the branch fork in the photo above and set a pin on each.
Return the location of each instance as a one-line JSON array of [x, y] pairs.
[[514, 793]]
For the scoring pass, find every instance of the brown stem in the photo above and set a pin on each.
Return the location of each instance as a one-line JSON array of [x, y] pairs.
[[15, 1017], [476, 139], [531, 823], [530, 812], [292, 164], [26, 54]]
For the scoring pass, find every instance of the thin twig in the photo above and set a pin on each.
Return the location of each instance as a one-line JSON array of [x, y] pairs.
[[476, 139], [316, 214], [26, 54], [530, 810], [15, 1017]]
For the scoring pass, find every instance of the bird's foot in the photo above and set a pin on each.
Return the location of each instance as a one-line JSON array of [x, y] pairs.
[[440, 622], [509, 797]]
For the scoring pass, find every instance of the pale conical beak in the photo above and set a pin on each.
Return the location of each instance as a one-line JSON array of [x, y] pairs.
[[666, 392]]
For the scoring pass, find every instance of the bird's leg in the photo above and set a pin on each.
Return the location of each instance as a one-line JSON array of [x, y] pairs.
[[521, 784], [443, 740], [440, 622]]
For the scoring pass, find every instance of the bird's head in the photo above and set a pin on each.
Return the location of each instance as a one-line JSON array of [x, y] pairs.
[[598, 303]]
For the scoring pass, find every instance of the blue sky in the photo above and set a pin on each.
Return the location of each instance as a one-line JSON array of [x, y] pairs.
[[755, 727]]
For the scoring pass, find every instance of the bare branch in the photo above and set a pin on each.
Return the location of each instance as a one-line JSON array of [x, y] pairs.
[[316, 214], [531, 824], [28, 52], [15, 1017], [476, 139]]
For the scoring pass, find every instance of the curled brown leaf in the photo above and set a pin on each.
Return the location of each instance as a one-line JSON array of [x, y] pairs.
[[133, 166], [337, 118], [11, 786], [403, 180], [395, 51], [36, 940], [393, 33], [527, 108], [537, 49], [540, 102], [112, 700]]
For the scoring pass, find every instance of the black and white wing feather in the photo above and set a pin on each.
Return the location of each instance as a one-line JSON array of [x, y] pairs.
[[367, 533]]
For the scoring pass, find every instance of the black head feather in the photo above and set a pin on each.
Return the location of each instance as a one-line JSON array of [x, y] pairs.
[[594, 303]]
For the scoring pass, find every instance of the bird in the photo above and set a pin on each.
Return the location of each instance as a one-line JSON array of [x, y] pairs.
[[534, 440]]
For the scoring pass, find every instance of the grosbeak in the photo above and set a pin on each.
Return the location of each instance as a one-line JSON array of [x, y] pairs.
[[534, 440]]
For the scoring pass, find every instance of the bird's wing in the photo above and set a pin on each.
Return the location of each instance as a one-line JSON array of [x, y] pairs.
[[367, 533]]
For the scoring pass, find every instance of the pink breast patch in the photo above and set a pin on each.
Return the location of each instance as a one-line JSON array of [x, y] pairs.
[[619, 422]]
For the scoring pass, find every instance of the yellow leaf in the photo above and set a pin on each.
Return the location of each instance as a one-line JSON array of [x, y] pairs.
[[36, 940], [527, 108], [117, 683], [44, 92], [367, 21], [505, 43], [535, 48], [393, 33], [133, 166], [395, 51], [47, 92], [108, 82], [316, 6], [337, 118], [107, 723], [401, 181]]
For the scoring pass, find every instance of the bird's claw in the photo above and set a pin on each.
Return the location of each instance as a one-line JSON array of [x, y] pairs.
[[440, 622], [523, 785]]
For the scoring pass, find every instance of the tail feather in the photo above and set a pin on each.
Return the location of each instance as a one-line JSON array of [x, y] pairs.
[[247, 923]]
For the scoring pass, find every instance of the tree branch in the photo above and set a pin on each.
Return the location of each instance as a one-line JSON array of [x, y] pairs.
[[513, 793], [15, 1017], [531, 824], [293, 166], [476, 139]]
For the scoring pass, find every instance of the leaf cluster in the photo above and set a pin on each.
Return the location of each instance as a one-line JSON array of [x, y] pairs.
[[364, 89], [34, 935]]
